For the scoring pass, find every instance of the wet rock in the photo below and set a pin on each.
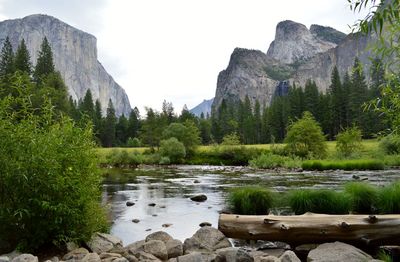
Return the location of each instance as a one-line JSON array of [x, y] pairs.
[[147, 230], [196, 181], [135, 221], [206, 239], [91, 257], [166, 225], [289, 256], [174, 248], [101, 243], [156, 248], [130, 203], [76, 254], [154, 215], [4, 259], [232, 254], [337, 251], [162, 206], [143, 256], [199, 198], [159, 235], [12, 255], [268, 259], [152, 204], [25, 258], [356, 177], [205, 224]]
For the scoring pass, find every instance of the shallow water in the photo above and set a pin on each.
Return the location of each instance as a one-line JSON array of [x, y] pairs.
[[170, 189]]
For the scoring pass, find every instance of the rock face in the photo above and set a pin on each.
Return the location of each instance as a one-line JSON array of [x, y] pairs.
[[296, 55], [337, 251], [75, 56], [204, 107]]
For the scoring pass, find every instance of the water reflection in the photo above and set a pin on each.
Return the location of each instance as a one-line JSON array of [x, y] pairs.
[[170, 188]]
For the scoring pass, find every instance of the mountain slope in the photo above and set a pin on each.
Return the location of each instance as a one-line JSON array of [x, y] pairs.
[[204, 107], [75, 56]]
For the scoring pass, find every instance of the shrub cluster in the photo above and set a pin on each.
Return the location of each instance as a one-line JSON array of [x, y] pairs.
[[269, 160], [356, 164], [390, 144], [122, 158]]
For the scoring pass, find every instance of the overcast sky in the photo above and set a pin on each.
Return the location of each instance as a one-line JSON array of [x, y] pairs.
[[174, 49]]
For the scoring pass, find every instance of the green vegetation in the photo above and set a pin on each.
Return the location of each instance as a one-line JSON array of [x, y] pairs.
[[389, 199], [173, 150], [231, 140], [363, 197], [50, 180], [353, 164], [250, 201], [390, 144], [349, 142], [270, 161], [279, 73], [123, 159]]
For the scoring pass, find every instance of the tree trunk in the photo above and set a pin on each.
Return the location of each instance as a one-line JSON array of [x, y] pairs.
[[369, 230]]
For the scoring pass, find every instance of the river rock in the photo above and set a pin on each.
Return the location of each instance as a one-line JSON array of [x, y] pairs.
[[4, 259], [232, 254], [174, 248], [121, 259], [337, 251], [159, 235], [205, 224], [109, 257], [156, 248], [152, 204], [206, 239], [289, 256], [77, 254], [199, 198], [91, 257], [135, 221], [130, 203], [25, 258], [101, 243], [193, 257], [146, 257], [267, 259]]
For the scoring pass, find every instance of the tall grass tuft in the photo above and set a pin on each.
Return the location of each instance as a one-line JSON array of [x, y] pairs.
[[355, 164], [251, 200], [318, 201], [269, 160], [363, 197], [389, 199]]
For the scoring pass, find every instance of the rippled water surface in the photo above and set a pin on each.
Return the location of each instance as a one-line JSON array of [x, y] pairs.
[[170, 188]]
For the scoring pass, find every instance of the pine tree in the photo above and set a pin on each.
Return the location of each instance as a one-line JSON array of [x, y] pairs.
[[358, 95], [7, 65], [44, 65], [337, 108], [346, 87], [134, 123], [108, 132], [97, 119], [121, 130], [87, 106], [257, 122], [311, 95], [23, 59]]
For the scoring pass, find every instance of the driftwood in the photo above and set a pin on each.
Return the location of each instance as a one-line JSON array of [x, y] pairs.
[[363, 230]]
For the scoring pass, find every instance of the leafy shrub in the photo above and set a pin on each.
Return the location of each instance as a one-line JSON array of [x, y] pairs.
[[363, 197], [121, 158], [318, 201], [389, 199], [165, 160], [50, 182], [231, 140], [356, 164], [133, 142], [188, 134], [305, 138], [173, 149], [348, 142], [270, 160], [250, 201], [390, 144]]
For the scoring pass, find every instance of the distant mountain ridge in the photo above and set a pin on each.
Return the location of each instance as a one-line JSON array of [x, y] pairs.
[[75, 56], [204, 107]]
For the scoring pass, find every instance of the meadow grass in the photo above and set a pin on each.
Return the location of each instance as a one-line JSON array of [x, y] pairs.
[[363, 197], [389, 199], [352, 164], [250, 200]]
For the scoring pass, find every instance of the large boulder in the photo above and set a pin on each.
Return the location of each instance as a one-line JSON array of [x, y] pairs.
[[156, 248], [101, 243], [77, 254], [25, 258], [193, 257], [91, 257], [206, 239], [174, 248], [289, 256], [146, 257], [159, 235], [337, 251], [232, 254]]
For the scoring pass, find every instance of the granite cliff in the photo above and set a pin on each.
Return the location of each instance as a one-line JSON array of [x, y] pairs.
[[75, 56], [296, 55]]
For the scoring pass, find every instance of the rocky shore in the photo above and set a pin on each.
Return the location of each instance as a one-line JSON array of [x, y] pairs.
[[207, 244]]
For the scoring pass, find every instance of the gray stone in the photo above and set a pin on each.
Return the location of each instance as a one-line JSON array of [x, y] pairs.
[[121, 259], [337, 251], [276, 252], [12, 254], [76, 254], [135, 247], [289, 256], [205, 224], [4, 259], [145, 257], [91, 257], [156, 248], [199, 198], [206, 239], [100, 243], [232, 254], [268, 259], [130, 203], [135, 221], [25, 258], [174, 248], [75, 56], [71, 246], [131, 258], [193, 257], [159, 235]]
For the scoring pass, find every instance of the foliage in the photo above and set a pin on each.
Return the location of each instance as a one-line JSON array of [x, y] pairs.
[[279, 73], [305, 138], [250, 201], [49, 175], [348, 142], [122, 158], [173, 149], [390, 144], [354, 164], [23, 59], [389, 199], [318, 201], [45, 64], [363, 197], [7, 66], [231, 140], [186, 133], [133, 142], [269, 160]]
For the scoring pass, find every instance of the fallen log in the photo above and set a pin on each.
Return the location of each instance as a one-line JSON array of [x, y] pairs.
[[363, 230]]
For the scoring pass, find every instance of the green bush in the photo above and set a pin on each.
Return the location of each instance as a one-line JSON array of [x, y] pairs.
[[133, 142], [231, 140], [188, 134], [389, 199], [50, 182], [121, 158], [270, 160], [390, 144], [348, 142], [250, 201], [305, 138], [173, 149], [363, 197], [356, 164], [318, 201]]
